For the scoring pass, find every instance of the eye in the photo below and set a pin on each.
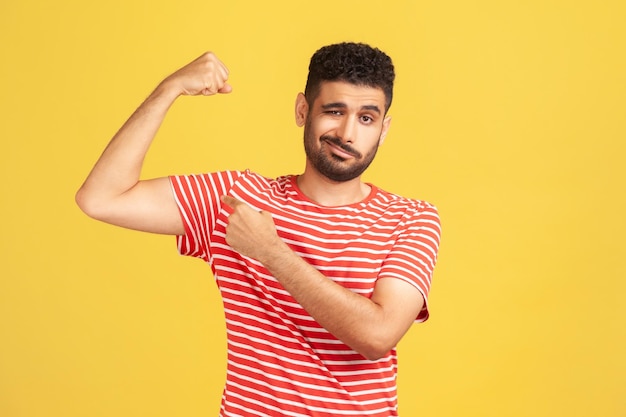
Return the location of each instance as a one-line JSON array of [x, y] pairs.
[[366, 119]]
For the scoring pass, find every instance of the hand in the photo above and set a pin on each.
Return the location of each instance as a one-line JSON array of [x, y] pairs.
[[206, 75], [250, 232]]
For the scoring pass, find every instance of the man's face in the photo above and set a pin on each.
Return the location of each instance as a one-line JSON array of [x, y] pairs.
[[343, 129]]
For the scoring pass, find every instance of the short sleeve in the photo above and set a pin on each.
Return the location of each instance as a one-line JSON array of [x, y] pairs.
[[414, 253], [198, 201]]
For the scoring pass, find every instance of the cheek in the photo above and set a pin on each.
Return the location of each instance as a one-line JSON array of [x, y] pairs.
[[370, 136], [324, 126]]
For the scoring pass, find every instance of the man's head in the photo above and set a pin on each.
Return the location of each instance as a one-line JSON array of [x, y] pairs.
[[344, 109], [354, 63]]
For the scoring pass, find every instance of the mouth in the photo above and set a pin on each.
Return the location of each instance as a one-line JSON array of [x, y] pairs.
[[340, 150]]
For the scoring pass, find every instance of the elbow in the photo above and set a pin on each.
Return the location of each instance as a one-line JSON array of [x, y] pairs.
[[88, 204], [374, 354], [375, 350], [83, 201], [375, 341]]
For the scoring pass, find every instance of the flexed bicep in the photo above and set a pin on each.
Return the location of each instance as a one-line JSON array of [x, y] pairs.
[[113, 191]]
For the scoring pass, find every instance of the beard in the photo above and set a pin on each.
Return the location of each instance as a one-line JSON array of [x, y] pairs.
[[332, 166]]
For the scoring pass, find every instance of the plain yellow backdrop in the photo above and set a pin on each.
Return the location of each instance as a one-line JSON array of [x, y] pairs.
[[508, 115]]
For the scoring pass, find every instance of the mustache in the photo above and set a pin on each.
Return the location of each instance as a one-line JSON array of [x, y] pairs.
[[337, 142]]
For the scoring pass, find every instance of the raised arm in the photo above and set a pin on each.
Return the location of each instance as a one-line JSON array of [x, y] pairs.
[[113, 191]]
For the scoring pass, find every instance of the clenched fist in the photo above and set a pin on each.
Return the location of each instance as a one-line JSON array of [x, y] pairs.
[[250, 232], [206, 75]]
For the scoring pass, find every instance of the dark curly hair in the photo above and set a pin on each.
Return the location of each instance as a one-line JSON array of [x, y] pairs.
[[355, 63]]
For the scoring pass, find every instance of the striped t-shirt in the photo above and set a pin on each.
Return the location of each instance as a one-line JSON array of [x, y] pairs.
[[281, 362]]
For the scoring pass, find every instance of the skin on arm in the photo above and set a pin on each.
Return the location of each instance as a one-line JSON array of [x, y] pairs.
[[113, 191], [371, 327]]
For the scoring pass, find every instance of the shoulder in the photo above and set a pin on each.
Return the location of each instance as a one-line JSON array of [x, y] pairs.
[[253, 180], [232, 177], [262, 191], [395, 201]]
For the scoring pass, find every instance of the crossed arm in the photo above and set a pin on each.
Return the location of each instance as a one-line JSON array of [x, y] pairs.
[[114, 193], [370, 326]]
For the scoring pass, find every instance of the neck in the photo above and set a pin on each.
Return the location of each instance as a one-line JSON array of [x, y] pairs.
[[326, 192]]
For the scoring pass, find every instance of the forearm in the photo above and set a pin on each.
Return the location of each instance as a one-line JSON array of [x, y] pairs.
[[119, 167], [356, 320]]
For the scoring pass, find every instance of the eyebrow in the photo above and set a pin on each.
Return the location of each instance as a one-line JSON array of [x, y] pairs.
[[340, 105]]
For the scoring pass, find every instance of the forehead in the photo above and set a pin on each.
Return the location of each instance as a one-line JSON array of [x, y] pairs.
[[349, 94]]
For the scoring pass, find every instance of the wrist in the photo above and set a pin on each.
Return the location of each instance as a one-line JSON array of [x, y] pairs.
[[276, 254], [168, 89]]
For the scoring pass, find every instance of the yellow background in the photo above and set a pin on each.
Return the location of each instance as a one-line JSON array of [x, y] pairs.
[[508, 115]]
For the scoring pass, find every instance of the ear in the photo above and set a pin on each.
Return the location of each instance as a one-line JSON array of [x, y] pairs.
[[385, 129], [302, 110]]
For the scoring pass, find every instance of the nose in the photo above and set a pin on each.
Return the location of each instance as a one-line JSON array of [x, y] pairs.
[[347, 129]]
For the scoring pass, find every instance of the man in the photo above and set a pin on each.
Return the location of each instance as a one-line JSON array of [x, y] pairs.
[[320, 273]]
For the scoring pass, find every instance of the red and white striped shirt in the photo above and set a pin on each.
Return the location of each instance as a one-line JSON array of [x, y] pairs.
[[281, 362]]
